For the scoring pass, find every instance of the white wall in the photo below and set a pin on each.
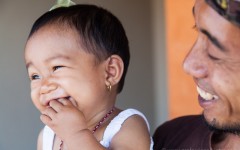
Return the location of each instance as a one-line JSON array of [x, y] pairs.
[[159, 62], [145, 86]]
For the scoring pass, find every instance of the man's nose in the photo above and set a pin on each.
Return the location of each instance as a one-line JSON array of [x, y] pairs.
[[47, 86], [195, 64]]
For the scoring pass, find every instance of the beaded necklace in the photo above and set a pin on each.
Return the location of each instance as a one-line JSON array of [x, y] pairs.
[[96, 127]]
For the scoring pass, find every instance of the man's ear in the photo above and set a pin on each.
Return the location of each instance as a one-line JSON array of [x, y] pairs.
[[114, 70]]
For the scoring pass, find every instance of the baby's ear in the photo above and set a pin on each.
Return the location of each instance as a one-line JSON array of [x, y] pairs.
[[114, 70]]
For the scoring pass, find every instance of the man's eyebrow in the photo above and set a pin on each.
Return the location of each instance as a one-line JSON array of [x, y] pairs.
[[213, 39]]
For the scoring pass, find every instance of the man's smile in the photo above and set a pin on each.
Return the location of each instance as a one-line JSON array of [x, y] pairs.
[[205, 95]]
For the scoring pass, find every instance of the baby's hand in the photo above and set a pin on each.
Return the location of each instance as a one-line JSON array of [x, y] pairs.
[[63, 118]]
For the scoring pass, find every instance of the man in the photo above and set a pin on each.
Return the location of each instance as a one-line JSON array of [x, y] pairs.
[[214, 64]]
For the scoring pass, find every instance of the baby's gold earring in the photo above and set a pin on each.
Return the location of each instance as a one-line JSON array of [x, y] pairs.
[[109, 87]]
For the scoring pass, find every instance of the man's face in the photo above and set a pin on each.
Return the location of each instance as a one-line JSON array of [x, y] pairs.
[[214, 64]]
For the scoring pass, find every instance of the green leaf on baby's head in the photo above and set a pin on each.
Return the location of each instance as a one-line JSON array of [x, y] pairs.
[[62, 3]]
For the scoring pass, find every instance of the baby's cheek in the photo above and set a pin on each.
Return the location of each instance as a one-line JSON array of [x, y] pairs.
[[33, 93], [35, 99]]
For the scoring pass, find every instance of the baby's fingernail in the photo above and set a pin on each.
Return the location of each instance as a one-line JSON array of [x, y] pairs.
[[61, 100]]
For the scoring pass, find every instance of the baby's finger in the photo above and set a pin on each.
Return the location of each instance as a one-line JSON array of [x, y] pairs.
[[45, 119], [50, 112], [69, 102], [56, 105], [65, 101]]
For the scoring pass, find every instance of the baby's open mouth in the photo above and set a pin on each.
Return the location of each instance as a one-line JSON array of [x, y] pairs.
[[70, 99], [67, 98]]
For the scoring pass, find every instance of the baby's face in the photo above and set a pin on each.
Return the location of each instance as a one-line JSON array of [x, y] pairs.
[[59, 68]]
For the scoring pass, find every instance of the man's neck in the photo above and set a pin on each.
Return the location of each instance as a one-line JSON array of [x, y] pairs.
[[225, 141]]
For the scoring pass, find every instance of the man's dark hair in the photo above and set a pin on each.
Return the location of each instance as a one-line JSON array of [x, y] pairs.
[[100, 32]]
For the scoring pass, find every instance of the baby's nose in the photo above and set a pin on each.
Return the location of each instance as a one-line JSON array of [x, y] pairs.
[[47, 87]]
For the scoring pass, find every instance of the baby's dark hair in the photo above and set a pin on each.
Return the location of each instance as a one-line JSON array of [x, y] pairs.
[[100, 32]]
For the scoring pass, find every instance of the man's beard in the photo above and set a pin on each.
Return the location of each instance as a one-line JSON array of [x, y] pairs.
[[216, 127]]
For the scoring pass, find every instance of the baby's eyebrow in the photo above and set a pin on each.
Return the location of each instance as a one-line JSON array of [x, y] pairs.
[[28, 64], [58, 57]]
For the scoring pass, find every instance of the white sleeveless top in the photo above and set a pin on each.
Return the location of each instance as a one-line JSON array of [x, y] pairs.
[[112, 129]]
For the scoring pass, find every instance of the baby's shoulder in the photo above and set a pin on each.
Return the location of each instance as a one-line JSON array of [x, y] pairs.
[[130, 115], [134, 117], [134, 129]]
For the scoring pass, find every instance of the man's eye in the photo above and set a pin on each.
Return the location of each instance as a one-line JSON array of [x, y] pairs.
[[212, 57], [35, 77], [56, 68]]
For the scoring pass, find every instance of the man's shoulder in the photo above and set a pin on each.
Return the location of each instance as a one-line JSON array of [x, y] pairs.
[[179, 124], [183, 120], [182, 132]]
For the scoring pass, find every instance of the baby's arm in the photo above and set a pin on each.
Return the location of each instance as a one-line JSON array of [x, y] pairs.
[[133, 135], [84, 140], [70, 125]]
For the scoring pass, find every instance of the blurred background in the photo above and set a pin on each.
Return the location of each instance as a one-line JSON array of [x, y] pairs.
[[160, 34]]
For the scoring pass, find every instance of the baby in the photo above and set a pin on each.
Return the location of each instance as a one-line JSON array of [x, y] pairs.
[[77, 59]]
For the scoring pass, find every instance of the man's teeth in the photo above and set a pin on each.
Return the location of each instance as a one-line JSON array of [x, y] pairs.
[[205, 95]]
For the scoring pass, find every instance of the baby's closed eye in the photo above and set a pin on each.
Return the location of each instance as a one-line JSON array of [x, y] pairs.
[[34, 77], [57, 67]]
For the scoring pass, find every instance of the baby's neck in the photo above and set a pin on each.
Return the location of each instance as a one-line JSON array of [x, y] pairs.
[[101, 118]]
